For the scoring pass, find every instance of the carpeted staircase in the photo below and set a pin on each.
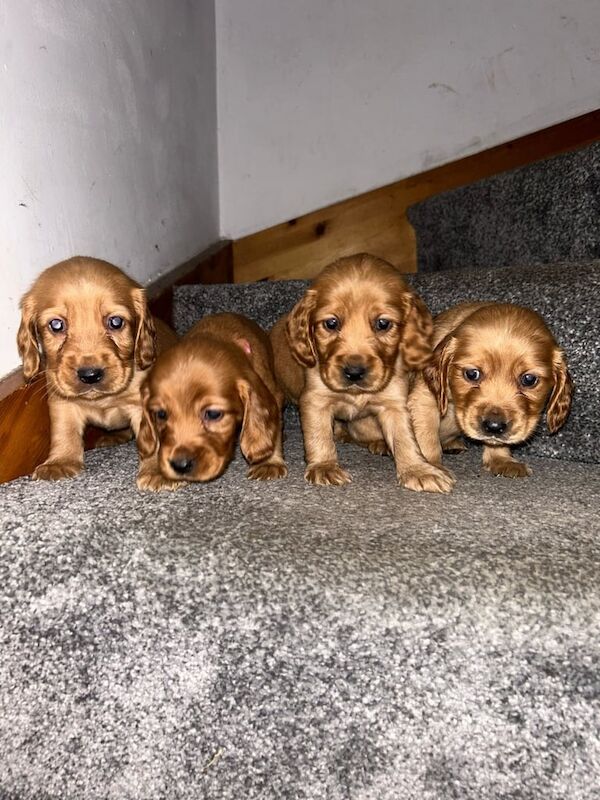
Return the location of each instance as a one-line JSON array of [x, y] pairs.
[[248, 641]]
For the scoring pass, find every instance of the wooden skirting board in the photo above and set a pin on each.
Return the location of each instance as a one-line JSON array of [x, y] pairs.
[[375, 222]]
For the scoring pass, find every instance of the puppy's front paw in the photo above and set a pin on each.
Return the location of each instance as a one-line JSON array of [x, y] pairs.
[[455, 446], [267, 472], [508, 467], [155, 482], [111, 439], [378, 447], [57, 470], [427, 478], [327, 474]]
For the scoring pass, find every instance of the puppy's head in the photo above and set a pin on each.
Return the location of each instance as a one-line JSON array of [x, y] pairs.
[[500, 367], [356, 321], [194, 401], [88, 325]]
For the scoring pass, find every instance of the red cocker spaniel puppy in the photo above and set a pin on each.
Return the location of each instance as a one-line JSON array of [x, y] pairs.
[[496, 367], [344, 354], [198, 394], [87, 325]]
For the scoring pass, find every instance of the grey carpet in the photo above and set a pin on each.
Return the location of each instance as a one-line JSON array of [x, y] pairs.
[[567, 296], [538, 214], [246, 641]]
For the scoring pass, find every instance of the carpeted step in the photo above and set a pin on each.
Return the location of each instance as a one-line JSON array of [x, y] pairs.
[[279, 640], [539, 214]]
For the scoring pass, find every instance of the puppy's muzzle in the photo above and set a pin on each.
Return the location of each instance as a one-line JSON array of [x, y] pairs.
[[90, 375], [183, 464], [495, 425], [354, 372]]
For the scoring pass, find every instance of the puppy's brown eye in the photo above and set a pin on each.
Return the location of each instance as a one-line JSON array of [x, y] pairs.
[[472, 375], [331, 324], [528, 380], [212, 414], [57, 325], [382, 324], [161, 414], [115, 323]]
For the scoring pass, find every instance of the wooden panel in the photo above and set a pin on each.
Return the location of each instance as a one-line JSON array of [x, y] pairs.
[[24, 426], [376, 221]]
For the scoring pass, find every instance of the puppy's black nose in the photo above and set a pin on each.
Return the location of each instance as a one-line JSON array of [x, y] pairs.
[[355, 372], [494, 425], [90, 374], [182, 465]]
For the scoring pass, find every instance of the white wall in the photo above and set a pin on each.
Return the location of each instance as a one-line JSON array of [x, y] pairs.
[[107, 138], [319, 100]]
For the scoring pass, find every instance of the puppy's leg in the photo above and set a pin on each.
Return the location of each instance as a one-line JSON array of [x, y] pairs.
[[413, 471], [426, 421], [499, 461], [65, 459], [151, 479], [274, 467], [454, 445], [321, 458]]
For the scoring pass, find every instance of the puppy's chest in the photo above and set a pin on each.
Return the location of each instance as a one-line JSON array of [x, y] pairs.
[[349, 407], [114, 412]]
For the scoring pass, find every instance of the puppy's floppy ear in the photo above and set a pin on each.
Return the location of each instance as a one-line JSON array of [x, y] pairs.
[[559, 404], [436, 373], [145, 336], [261, 420], [27, 341], [416, 347], [147, 440], [299, 330]]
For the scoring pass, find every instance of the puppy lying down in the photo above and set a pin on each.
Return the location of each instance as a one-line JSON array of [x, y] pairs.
[[496, 367], [88, 326], [217, 378]]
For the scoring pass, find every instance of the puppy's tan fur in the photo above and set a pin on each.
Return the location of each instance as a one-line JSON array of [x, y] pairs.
[[224, 365], [84, 293], [312, 363], [503, 343]]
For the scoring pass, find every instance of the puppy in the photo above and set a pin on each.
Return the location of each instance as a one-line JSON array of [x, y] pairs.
[[495, 367], [343, 354], [87, 324], [218, 378]]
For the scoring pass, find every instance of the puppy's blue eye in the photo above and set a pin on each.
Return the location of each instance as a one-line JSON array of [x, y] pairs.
[[212, 414], [57, 325], [383, 324], [331, 324], [472, 375], [528, 380], [161, 414], [116, 323]]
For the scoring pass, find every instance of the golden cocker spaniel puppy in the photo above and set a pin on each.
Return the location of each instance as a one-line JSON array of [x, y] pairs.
[[218, 378], [343, 354], [496, 367], [87, 325]]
